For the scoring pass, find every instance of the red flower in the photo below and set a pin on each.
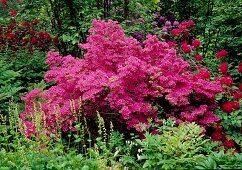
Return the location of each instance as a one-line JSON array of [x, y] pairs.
[[240, 68], [40, 43], [216, 136], [11, 35], [229, 143], [35, 22], [223, 68], [240, 87], [185, 48], [186, 34], [199, 57], [221, 53], [34, 40], [56, 39], [154, 132], [204, 74], [32, 32], [176, 32], [237, 96], [41, 35], [235, 105], [4, 2], [13, 13], [227, 107], [196, 43], [10, 27], [47, 36], [230, 106], [183, 27], [227, 80]]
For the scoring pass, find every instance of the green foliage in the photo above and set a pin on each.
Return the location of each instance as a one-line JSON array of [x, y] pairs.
[[32, 66], [177, 148], [219, 24], [147, 5], [19, 152], [20, 73], [9, 84], [221, 160], [32, 159]]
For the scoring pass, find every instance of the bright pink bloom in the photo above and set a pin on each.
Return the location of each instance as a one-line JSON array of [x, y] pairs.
[[176, 32], [191, 23], [171, 44], [196, 43], [221, 53], [203, 74], [223, 68], [120, 75]]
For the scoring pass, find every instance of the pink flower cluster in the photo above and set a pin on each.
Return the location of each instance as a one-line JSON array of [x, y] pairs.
[[119, 75]]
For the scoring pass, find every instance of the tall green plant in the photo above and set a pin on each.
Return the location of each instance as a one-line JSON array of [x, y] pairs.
[[9, 84]]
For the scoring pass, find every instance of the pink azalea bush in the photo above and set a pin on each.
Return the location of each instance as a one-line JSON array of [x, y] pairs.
[[121, 76]]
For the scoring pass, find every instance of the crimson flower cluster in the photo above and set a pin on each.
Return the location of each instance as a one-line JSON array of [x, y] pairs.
[[220, 136], [23, 35], [227, 82]]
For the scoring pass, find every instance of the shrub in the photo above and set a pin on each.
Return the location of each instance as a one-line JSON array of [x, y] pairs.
[[221, 160], [119, 76], [9, 84], [175, 148]]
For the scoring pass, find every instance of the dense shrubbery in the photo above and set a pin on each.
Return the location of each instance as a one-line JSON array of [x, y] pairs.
[[156, 93]]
